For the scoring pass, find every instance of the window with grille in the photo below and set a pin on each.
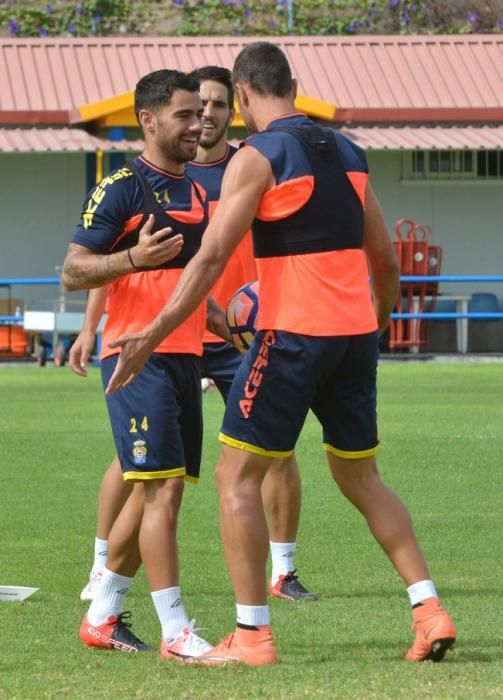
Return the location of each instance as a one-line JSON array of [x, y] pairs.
[[453, 165]]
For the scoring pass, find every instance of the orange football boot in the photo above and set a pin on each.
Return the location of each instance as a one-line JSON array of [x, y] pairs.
[[435, 632], [289, 587], [250, 647], [115, 633]]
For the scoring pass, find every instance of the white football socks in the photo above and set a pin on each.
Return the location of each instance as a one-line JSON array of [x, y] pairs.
[[109, 597], [252, 615], [100, 555], [421, 591], [170, 611], [282, 558]]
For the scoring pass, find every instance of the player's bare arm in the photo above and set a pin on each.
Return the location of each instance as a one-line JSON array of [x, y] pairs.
[[239, 200], [84, 343], [384, 268], [85, 269], [216, 321]]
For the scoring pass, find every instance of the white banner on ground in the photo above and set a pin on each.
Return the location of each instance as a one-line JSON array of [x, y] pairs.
[[12, 593]]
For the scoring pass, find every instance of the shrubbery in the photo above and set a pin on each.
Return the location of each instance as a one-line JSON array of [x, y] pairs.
[[249, 17]]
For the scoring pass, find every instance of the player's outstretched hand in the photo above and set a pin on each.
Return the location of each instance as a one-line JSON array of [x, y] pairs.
[[154, 249], [136, 348], [80, 352]]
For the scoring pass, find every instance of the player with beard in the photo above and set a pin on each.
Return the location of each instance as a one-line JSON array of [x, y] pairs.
[[281, 490], [126, 240]]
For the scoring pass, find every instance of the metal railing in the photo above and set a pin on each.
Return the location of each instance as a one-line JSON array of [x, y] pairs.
[[468, 279], [452, 315]]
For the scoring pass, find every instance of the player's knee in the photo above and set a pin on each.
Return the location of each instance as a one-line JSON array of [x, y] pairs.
[[350, 474], [284, 465], [164, 493]]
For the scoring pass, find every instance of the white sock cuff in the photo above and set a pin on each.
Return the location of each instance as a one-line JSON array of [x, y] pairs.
[[109, 597], [100, 546], [100, 554], [252, 615], [118, 579], [170, 611], [421, 591], [282, 558], [173, 592]]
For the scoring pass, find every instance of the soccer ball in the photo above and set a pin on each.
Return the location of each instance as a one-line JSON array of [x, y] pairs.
[[242, 311]]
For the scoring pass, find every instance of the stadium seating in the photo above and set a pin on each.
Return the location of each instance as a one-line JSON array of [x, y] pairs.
[[483, 302], [485, 335]]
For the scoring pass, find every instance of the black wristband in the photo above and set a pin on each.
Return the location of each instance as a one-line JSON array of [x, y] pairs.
[[131, 259]]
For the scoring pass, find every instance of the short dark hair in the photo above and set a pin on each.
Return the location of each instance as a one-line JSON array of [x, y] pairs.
[[218, 75], [265, 68], [155, 89]]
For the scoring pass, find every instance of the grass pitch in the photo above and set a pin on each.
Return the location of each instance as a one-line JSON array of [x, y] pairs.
[[442, 445]]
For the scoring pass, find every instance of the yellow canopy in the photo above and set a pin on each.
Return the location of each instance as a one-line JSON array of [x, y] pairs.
[[118, 111]]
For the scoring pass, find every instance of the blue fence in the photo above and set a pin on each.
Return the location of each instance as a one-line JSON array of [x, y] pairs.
[[451, 315], [10, 282]]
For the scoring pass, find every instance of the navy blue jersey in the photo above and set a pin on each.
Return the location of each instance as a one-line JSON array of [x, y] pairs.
[[210, 175]]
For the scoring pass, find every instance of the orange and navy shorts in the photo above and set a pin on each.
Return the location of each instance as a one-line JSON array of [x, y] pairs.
[[283, 375], [157, 419]]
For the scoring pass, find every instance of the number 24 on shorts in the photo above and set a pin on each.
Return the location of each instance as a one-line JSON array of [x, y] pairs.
[[134, 424]]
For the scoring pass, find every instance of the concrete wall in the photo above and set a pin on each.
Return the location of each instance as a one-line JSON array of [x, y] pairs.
[[42, 195], [466, 222], [465, 218]]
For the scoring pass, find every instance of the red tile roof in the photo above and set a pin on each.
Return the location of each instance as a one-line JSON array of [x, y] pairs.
[[370, 78], [57, 140], [370, 138], [426, 138]]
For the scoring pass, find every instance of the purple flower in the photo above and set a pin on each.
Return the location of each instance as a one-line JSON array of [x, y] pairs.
[[473, 18], [500, 24], [273, 24], [247, 12], [72, 29], [178, 3], [236, 32], [79, 10], [49, 9], [394, 3], [98, 18], [413, 7], [43, 31], [13, 27]]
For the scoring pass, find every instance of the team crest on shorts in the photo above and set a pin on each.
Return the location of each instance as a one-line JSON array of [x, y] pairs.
[[139, 452]]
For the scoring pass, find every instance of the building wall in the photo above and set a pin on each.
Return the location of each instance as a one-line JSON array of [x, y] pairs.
[[42, 195], [465, 219]]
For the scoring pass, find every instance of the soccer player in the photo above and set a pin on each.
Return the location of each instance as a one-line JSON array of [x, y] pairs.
[[126, 240], [281, 490], [318, 232]]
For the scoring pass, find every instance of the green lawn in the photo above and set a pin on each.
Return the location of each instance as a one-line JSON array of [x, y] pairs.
[[442, 447]]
